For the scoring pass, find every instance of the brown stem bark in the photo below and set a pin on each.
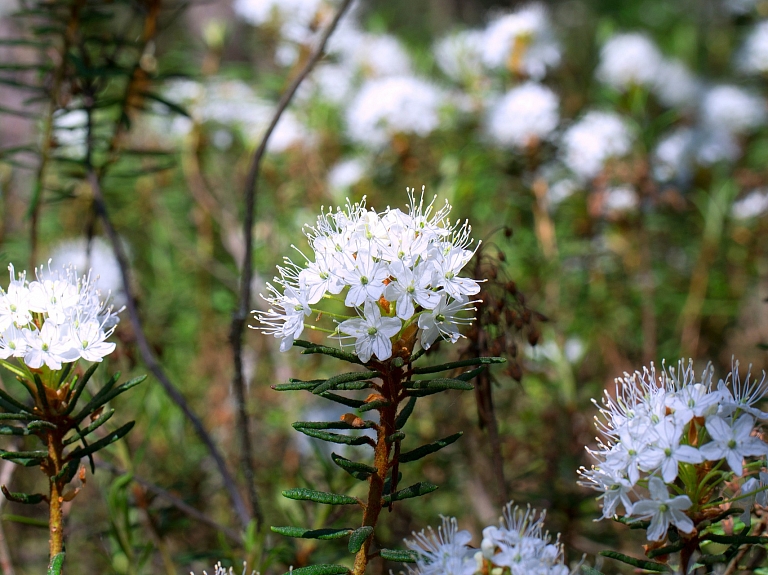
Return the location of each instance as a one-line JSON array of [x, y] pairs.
[[387, 415], [55, 494]]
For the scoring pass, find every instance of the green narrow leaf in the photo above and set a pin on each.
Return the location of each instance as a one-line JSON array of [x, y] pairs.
[[301, 533], [12, 430], [320, 570], [41, 392], [471, 374], [80, 434], [174, 107], [25, 458], [440, 384], [56, 564], [396, 436], [39, 425], [425, 450], [16, 417], [462, 363], [353, 403], [69, 471], [23, 498], [359, 537], [399, 555], [336, 437], [8, 403], [357, 470], [647, 565], [405, 413], [311, 348], [122, 388], [330, 425], [735, 539], [78, 387], [304, 494], [332, 383], [81, 452], [375, 404], [96, 400], [590, 570], [666, 550], [415, 490], [297, 385]]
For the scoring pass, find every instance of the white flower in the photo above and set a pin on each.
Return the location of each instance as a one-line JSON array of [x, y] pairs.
[[409, 287], [14, 305], [663, 510], [219, 570], [285, 319], [49, 346], [13, 343], [459, 55], [447, 268], [628, 60], [443, 553], [615, 489], [443, 321], [732, 109], [522, 42], [91, 344], [597, 137], [742, 396], [673, 156], [667, 452], [753, 56], [372, 333], [732, 443], [393, 105], [523, 116], [366, 280], [752, 205], [675, 86], [696, 400], [620, 199]]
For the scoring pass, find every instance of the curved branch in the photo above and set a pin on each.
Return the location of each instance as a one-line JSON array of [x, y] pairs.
[[241, 314]]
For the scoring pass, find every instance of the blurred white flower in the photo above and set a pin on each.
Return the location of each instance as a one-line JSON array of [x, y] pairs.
[[523, 116], [594, 139], [675, 86], [70, 131], [388, 106], [715, 145], [620, 199], [561, 190], [333, 83], [751, 206], [522, 42], [673, 157], [98, 256], [295, 18], [753, 56], [628, 60], [219, 570], [730, 108], [346, 174], [459, 55], [372, 55]]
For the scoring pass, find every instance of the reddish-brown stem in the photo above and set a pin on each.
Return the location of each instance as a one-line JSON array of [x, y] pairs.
[[392, 382], [56, 496]]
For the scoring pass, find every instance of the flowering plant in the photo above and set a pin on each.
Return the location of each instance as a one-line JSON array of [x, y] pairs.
[[675, 432], [397, 274], [46, 327], [518, 546]]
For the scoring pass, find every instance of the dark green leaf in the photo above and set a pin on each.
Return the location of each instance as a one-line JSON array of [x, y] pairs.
[[297, 385], [56, 564], [405, 413], [98, 399], [16, 417], [587, 570], [12, 430], [397, 436], [301, 533], [34, 426], [311, 348], [304, 494], [357, 470], [332, 383], [415, 490], [78, 387], [472, 373], [320, 570], [353, 403], [25, 458], [424, 450], [123, 387], [462, 363], [440, 384], [358, 537], [336, 437], [92, 427], [81, 452], [24, 498], [330, 425], [41, 392], [375, 404], [647, 565], [68, 472], [174, 107], [8, 403], [735, 539], [399, 555], [666, 550]]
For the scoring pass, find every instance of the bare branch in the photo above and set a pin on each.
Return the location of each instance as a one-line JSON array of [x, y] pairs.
[[241, 314]]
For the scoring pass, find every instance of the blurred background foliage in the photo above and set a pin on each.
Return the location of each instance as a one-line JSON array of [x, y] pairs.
[[626, 251]]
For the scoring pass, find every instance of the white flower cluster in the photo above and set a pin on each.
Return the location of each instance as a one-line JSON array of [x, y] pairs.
[[58, 318], [518, 546], [659, 427], [594, 139], [525, 115], [219, 570], [394, 270]]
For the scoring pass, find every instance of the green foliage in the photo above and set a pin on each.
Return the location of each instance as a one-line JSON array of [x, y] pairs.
[[56, 564], [639, 563], [304, 494]]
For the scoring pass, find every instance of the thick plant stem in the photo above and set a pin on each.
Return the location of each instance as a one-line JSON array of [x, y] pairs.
[[55, 497], [381, 463]]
